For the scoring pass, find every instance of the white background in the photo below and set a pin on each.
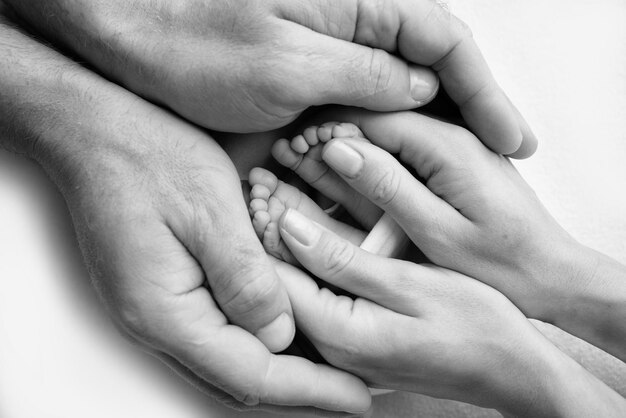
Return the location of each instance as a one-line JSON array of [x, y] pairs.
[[562, 62]]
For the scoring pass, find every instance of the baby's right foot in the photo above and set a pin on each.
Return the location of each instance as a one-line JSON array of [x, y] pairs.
[[303, 154], [270, 198]]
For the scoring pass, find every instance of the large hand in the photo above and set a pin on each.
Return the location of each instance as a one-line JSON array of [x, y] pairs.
[[430, 330], [472, 212], [252, 65], [164, 230], [162, 223]]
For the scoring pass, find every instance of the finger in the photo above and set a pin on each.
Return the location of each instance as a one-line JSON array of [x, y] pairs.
[[217, 231], [368, 77], [428, 145], [426, 218], [161, 302], [238, 364], [343, 264], [228, 400], [426, 33], [530, 143], [334, 323], [446, 44]]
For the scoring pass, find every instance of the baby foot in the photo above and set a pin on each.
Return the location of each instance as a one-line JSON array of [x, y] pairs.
[[303, 154], [271, 197]]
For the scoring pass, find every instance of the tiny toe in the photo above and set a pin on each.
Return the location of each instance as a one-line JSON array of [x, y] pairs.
[[260, 191], [260, 220], [325, 131], [282, 152], [310, 136], [258, 205], [272, 240], [346, 130], [299, 144]]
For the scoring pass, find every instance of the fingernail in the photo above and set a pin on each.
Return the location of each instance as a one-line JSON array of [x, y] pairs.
[[300, 227], [278, 334], [424, 84], [342, 158]]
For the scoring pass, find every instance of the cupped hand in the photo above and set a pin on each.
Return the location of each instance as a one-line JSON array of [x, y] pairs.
[[162, 223], [417, 328], [255, 65], [465, 207]]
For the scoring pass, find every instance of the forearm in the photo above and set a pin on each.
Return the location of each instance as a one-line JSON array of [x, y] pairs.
[[97, 31], [54, 110], [70, 22], [39, 87]]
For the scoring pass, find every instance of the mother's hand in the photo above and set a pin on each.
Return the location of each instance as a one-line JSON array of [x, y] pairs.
[[430, 330], [469, 210]]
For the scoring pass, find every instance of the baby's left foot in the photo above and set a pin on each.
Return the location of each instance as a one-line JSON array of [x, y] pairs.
[[270, 198]]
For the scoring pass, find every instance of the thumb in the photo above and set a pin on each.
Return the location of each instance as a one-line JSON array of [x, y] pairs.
[[356, 75], [238, 272]]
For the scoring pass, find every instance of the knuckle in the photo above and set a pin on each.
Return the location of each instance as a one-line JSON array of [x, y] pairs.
[[339, 256], [385, 187]]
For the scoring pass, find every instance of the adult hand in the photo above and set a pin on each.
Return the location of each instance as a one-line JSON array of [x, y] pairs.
[[430, 330], [161, 220], [472, 212], [253, 65]]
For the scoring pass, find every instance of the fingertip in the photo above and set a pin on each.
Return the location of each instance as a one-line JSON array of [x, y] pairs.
[[424, 84], [278, 334], [361, 398], [529, 142], [526, 150], [499, 130], [507, 143]]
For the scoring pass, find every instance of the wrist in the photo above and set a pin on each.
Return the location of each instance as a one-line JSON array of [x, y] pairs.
[[564, 268], [35, 82], [52, 109], [90, 29]]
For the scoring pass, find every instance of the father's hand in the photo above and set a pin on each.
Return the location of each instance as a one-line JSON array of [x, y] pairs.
[[252, 65], [165, 233], [164, 230]]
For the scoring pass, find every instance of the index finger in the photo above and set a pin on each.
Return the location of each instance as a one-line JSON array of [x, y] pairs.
[[426, 33]]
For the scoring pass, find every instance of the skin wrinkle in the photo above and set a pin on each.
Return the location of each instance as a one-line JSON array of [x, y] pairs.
[[381, 71], [252, 298]]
